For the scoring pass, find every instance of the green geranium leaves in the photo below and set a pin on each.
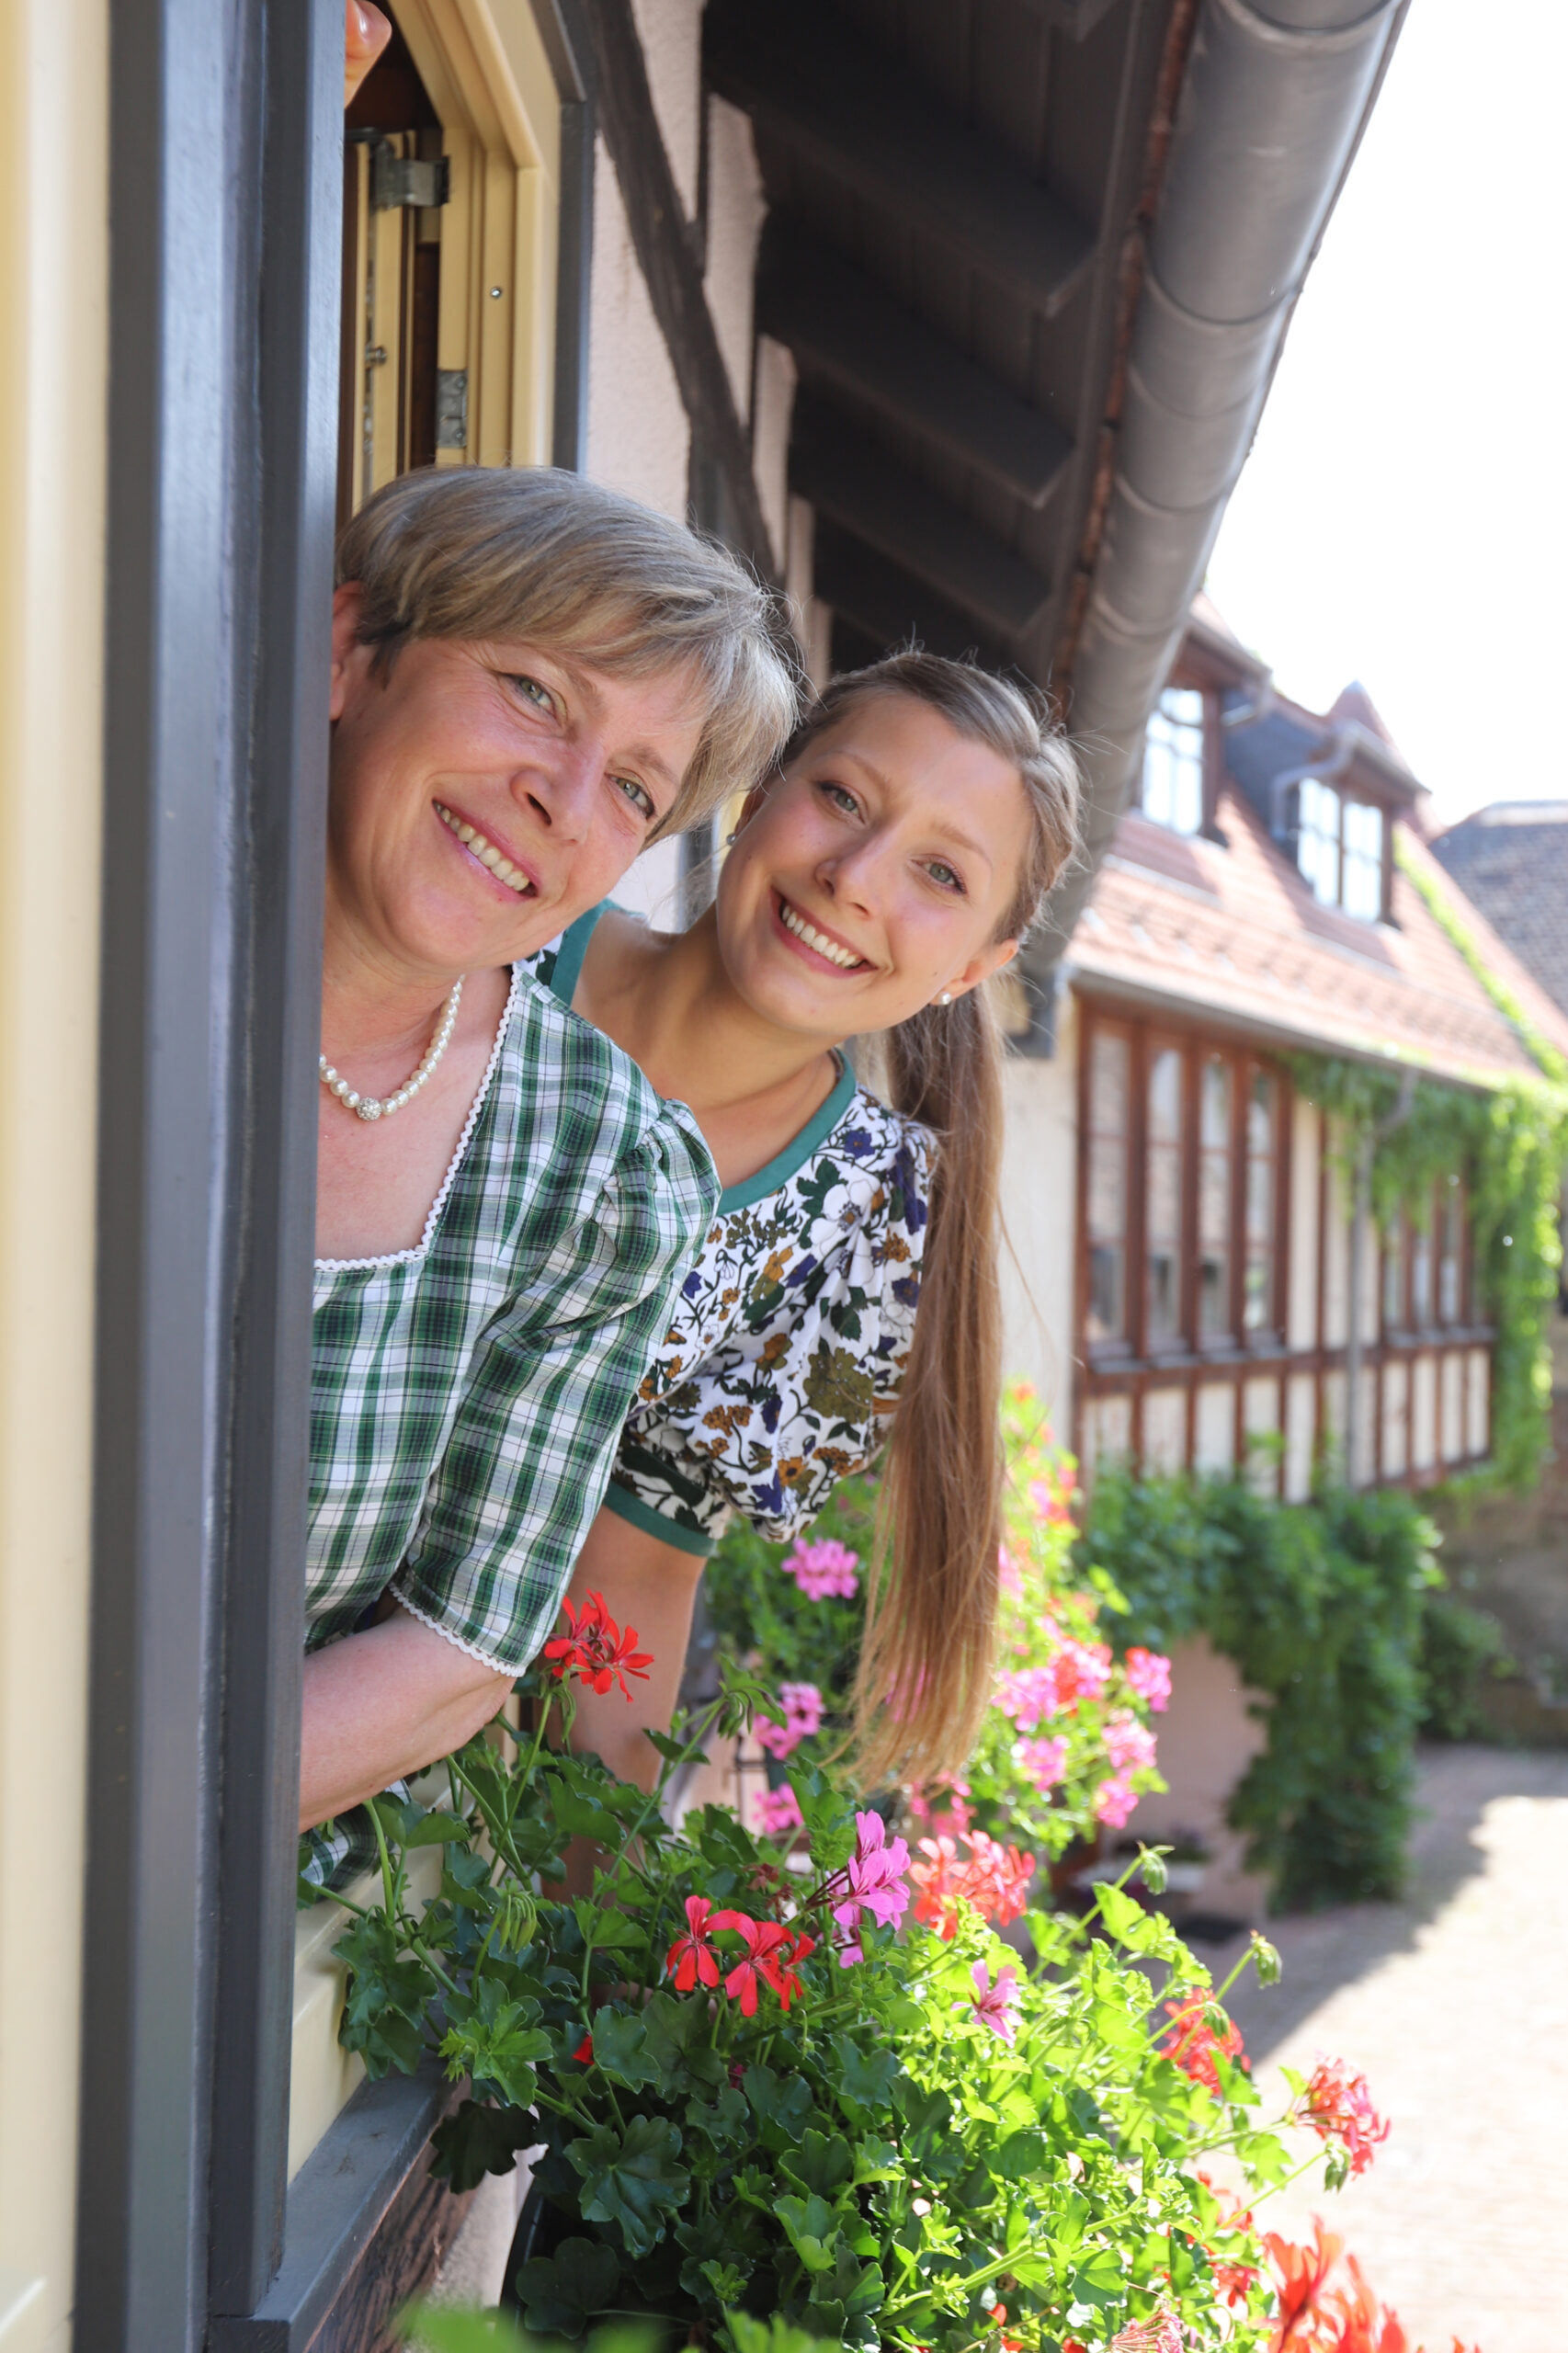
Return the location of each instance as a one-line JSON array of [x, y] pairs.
[[476, 2140], [561, 2293], [631, 2179]]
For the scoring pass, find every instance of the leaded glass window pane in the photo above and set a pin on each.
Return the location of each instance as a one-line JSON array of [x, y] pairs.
[[1109, 1084], [1162, 1212]]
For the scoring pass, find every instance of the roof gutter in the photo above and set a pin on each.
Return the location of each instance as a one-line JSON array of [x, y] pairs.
[[1275, 100]]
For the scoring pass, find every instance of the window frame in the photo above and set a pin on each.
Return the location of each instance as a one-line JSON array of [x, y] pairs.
[[1187, 678], [1148, 1034], [226, 240], [1132, 1369], [1350, 791]]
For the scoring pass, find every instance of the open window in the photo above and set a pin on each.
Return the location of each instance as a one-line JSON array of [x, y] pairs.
[[1174, 786], [1339, 847]]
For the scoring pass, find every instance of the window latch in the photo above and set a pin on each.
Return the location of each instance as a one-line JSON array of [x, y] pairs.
[[406, 180], [451, 408]]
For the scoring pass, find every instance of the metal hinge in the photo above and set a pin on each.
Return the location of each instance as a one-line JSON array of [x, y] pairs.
[[451, 408], [406, 180]]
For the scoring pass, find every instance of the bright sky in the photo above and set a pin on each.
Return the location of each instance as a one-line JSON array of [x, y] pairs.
[[1403, 517]]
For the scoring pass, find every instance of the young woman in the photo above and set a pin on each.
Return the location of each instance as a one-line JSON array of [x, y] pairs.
[[875, 885]]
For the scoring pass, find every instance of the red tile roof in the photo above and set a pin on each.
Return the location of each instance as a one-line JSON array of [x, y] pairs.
[[1232, 932]]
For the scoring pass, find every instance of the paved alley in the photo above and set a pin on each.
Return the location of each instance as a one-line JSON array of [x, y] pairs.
[[1455, 2003]]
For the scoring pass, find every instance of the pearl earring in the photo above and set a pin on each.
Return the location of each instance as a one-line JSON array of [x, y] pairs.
[[946, 997], [730, 838]]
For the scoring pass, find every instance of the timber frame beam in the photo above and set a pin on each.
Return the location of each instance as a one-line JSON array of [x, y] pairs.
[[670, 268]]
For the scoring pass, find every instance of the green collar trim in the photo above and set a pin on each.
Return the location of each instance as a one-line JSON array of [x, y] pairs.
[[796, 1152]]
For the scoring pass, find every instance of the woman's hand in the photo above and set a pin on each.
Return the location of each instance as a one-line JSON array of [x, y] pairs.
[[368, 34], [385, 1703]]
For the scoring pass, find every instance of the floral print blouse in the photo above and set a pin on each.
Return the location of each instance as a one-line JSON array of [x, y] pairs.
[[786, 1347]]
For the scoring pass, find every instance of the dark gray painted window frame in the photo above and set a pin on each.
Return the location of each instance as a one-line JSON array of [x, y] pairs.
[[225, 129]]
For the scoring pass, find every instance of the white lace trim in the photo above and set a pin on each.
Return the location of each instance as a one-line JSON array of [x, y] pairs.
[[409, 1257], [486, 1658]]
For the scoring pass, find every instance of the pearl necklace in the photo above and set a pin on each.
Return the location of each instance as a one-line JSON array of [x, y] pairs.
[[367, 1106]]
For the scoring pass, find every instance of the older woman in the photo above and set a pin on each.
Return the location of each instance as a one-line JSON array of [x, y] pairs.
[[532, 680]]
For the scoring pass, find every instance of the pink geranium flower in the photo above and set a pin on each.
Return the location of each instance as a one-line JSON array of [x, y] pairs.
[[1161, 2335], [1049, 1502], [876, 1875], [1150, 1676], [1027, 1694], [996, 2006], [1129, 1744], [802, 1716], [777, 1810], [1045, 1762], [1114, 1802], [825, 1572]]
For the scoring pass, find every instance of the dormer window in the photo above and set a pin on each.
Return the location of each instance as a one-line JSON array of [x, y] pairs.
[[1172, 790], [1339, 849]]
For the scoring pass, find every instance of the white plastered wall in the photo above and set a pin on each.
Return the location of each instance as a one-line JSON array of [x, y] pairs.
[[1039, 1197], [53, 280], [639, 435]]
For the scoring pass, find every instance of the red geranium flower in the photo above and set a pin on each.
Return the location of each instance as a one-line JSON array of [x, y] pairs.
[[763, 1940], [784, 1975], [994, 1877], [1338, 2106], [585, 2050], [597, 1652], [1192, 2042], [692, 1957], [1301, 2273]]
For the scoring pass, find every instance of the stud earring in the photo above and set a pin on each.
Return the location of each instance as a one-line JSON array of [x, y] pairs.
[[946, 997], [731, 837]]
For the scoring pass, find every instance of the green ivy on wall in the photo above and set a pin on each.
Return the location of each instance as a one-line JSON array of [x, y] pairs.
[[1511, 1145]]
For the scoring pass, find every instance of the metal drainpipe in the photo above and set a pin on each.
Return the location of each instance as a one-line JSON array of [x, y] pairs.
[[1273, 102]]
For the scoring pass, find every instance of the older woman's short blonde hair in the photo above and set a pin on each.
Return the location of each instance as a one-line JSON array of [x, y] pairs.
[[484, 553]]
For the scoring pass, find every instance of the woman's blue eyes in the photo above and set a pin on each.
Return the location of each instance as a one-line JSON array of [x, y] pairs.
[[542, 700], [945, 877]]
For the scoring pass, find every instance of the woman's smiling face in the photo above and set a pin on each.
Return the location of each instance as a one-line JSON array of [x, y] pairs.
[[874, 874], [483, 795]]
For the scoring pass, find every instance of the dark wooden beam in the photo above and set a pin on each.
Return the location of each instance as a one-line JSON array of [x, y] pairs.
[[668, 261], [851, 112], [844, 328], [888, 604], [846, 475]]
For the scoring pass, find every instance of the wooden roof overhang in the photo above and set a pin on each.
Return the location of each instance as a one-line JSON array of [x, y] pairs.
[[951, 185]]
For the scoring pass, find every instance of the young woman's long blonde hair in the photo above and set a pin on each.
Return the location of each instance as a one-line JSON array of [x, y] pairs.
[[928, 1649]]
